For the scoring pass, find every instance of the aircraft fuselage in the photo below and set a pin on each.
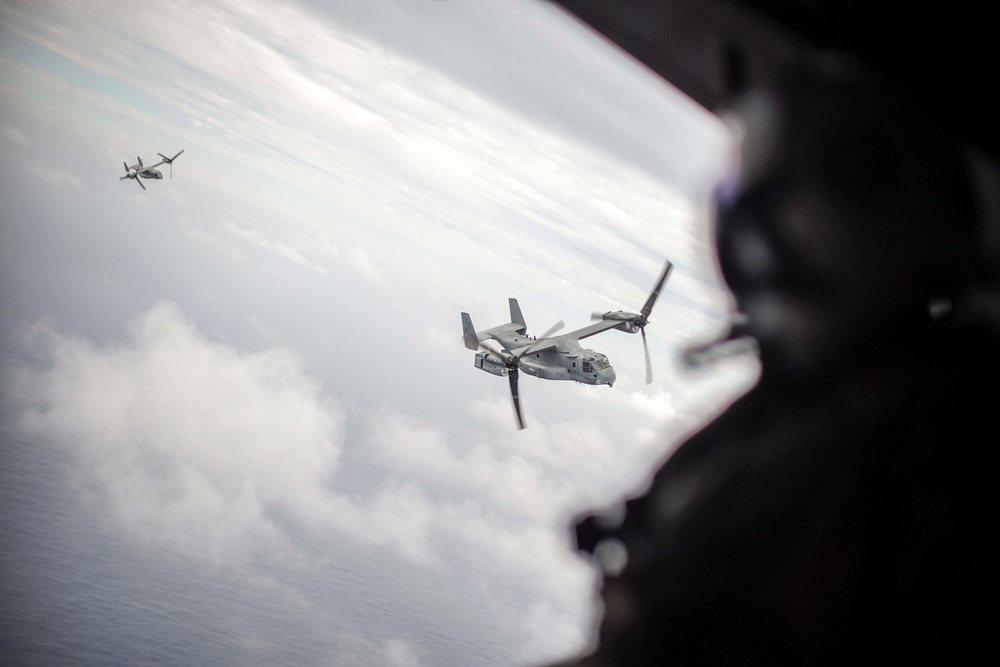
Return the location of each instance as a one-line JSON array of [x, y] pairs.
[[566, 361], [582, 365], [151, 173], [146, 172]]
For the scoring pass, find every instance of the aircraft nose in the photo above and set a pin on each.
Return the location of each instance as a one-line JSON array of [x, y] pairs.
[[609, 375]]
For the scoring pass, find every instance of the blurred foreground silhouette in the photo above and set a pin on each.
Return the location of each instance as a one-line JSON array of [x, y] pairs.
[[838, 509]]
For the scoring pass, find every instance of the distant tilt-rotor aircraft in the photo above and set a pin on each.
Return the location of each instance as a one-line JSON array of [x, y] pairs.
[[139, 170], [555, 357]]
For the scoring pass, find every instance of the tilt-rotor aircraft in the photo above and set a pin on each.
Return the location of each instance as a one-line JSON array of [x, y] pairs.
[[555, 357], [139, 170]]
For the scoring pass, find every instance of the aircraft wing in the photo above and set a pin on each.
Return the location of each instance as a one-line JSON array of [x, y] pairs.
[[591, 329], [579, 334]]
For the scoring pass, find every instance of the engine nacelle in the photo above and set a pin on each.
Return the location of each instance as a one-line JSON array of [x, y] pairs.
[[485, 361], [627, 320]]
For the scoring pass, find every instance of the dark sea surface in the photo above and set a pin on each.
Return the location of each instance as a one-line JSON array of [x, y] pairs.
[[74, 594]]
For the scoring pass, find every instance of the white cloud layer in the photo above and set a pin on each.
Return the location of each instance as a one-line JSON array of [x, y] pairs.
[[285, 103], [15, 136], [188, 445]]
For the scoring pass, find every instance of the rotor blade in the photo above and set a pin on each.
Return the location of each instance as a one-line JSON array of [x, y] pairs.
[[512, 377], [139, 159], [648, 307], [168, 160], [172, 162], [552, 329], [139, 182], [649, 365], [125, 164]]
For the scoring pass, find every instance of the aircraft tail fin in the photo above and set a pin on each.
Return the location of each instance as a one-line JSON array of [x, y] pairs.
[[469, 333], [516, 317]]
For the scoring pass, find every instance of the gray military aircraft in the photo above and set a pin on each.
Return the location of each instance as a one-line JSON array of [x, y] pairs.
[[555, 357], [138, 169]]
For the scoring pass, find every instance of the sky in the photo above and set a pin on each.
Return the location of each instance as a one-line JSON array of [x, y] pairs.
[[250, 377]]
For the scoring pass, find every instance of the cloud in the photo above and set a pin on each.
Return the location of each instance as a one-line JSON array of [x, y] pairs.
[[281, 248], [527, 477], [45, 171], [53, 175], [357, 651], [501, 499], [653, 402], [182, 442], [405, 444], [393, 154], [190, 445], [15, 136], [202, 236], [361, 263], [551, 629]]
